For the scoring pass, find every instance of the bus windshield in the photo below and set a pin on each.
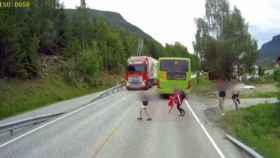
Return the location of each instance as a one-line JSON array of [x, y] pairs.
[[136, 68], [174, 65]]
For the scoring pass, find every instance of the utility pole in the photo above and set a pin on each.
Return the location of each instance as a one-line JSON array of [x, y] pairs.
[[140, 47], [83, 4], [83, 12]]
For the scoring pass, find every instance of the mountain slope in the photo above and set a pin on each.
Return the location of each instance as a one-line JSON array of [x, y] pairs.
[[115, 20], [270, 51]]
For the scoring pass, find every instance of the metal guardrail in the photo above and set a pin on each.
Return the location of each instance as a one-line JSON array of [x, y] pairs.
[[11, 126], [244, 147], [110, 91]]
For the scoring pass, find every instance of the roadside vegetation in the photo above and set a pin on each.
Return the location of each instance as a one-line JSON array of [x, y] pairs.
[[260, 95], [223, 41], [263, 79], [227, 50], [276, 77], [202, 85], [258, 127], [85, 42], [262, 90], [19, 96], [257, 94], [265, 86]]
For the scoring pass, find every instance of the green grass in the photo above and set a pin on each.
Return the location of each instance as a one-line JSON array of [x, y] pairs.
[[260, 95], [266, 79], [258, 127], [262, 90], [203, 87], [20, 96]]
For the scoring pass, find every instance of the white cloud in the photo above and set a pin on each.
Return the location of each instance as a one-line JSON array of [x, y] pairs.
[[262, 13], [173, 20]]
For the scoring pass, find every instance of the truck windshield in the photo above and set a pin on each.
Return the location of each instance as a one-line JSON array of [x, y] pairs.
[[136, 68], [174, 65]]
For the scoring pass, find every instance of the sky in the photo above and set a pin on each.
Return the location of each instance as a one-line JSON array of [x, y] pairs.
[[169, 21]]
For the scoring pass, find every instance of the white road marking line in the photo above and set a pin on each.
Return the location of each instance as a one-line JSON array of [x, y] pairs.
[[47, 124], [205, 131]]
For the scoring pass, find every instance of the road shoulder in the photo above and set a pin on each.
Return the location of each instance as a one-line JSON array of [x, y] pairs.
[[210, 120]]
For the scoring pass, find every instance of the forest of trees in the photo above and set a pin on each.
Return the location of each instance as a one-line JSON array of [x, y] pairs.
[[223, 40], [87, 46]]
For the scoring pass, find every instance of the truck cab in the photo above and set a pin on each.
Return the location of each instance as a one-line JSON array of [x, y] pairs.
[[139, 73], [137, 76]]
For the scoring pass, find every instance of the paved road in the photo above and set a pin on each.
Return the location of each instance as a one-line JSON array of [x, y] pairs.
[[108, 129]]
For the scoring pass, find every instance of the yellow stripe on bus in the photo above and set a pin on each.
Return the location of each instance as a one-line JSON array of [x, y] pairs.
[[163, 75]]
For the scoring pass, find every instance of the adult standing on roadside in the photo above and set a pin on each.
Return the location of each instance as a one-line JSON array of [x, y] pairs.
[[221, 86]]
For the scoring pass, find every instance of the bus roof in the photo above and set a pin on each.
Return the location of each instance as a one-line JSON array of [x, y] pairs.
[[173, 58]]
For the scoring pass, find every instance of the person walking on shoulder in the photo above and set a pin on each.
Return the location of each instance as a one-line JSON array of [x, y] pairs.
[[235, 97]]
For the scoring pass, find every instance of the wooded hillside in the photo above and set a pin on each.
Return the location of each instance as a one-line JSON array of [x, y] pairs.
[[85, 41]]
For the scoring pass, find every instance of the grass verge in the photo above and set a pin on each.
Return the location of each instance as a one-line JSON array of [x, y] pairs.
[[268, 90], [258, 127], [260, 95], [19, 96], [204, 86]]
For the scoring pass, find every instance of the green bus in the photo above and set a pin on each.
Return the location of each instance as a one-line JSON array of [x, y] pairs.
[[174, 73]]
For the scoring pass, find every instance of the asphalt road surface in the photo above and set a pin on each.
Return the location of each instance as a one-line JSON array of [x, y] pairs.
[[108, 129]]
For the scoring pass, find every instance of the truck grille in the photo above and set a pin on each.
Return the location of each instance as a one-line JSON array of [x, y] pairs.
[[135, 79]]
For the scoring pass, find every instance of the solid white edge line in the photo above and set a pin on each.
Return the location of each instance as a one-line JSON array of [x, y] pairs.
[[219, 151], [46, 124]]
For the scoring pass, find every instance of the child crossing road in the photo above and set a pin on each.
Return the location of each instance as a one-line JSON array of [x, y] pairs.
[[177, 99], [144, 107]]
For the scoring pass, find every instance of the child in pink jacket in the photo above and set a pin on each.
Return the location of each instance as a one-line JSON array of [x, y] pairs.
[[177, 99]]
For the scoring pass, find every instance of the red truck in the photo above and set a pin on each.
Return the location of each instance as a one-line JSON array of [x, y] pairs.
[[141, 72]]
